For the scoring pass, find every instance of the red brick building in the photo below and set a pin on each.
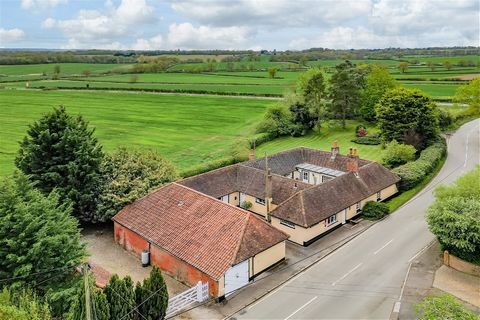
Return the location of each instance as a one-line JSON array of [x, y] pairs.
[[195, 237]]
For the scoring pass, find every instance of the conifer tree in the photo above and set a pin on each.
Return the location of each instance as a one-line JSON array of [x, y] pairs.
[[61, 152], [156, 289], [120, 297], [39, 239], [99, 304]]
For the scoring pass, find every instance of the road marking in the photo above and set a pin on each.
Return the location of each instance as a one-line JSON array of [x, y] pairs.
[[346, 274], [422, 250], [386, 244], [306, 304], [396, 307]]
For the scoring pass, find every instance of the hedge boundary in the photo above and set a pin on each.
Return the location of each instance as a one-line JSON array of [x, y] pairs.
[[412, 173]]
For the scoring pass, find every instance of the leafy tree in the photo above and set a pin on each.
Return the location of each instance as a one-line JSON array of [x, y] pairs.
[[56, 69], [100, 308], [443, 306], [469, 94], [22, 305], [39, 239], [156, 289], [277, 121], [455, 216], [60, 152], [133, 78], [312, 87], [404, 114], [121, 297], [346, 85], [448, 65], [377, 82], [302, 119], [403, 66], [431, 65], [129, 175], [272, 72], [397, 154]]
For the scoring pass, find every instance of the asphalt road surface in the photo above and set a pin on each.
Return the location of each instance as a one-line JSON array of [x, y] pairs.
[[363, 279]]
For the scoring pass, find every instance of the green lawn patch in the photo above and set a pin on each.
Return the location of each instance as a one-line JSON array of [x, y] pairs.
[[188, 130]]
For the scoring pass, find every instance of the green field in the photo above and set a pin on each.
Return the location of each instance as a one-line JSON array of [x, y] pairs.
[[323, 141], [188, 130]]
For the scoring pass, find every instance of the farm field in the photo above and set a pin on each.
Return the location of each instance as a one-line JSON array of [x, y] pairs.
[[323, 141], [188, 130], [65, 68]]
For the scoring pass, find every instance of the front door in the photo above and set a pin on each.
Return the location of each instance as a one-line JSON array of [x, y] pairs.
[[344, 216], [305, 176]]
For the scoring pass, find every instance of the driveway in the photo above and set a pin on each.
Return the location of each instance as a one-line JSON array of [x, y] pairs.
[[104, 252]]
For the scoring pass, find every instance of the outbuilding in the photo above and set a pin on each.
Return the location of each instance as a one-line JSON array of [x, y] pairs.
[[195, 237]]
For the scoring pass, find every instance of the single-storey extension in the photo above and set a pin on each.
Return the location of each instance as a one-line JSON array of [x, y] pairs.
[[195, 237]]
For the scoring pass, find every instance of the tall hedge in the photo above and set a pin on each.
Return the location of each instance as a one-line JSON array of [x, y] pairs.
[[412, 173]]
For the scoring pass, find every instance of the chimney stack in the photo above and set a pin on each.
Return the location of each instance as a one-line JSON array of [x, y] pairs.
[[335, 150], [251, 155], [352, 161]]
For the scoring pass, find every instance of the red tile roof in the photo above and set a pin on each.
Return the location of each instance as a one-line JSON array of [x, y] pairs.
[[204, 232]]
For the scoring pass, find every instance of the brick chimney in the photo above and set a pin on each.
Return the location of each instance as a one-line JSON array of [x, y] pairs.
[[251, 155], [352, 161], [335, 150]]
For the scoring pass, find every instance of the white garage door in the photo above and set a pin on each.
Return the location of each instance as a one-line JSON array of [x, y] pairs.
[[236, 277]]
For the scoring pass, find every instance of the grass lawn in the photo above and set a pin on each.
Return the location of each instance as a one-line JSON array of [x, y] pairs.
[[65, 68], [323, 141], [188, 130]]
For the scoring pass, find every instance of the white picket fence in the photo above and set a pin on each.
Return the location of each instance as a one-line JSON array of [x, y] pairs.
[[199, 293]]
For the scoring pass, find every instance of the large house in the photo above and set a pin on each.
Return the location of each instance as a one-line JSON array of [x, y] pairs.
[[199, 228]]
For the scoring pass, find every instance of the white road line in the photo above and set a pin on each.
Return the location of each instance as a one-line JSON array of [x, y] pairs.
[[306, 304], [423, 249], [386, 244], [466, 146], [346, 274]]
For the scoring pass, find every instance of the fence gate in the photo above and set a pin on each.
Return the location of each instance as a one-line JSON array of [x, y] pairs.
[[199, 293]]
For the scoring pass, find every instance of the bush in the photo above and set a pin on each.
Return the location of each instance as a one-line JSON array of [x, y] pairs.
[[443, 306], [260, 139], [212, 165], [414, 172], [375, 210], [368, 140], [397, 154]]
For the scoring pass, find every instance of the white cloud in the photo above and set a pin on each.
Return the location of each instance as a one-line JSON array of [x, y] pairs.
[[48, 23], [154, 43], [11, 35], [272, 13], [93, 29], [41, 4], [187, 36]]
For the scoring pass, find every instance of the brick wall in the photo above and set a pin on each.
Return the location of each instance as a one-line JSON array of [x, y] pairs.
[[129, 240]]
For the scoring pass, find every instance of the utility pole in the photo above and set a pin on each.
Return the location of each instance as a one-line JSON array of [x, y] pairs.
[[88, 308]]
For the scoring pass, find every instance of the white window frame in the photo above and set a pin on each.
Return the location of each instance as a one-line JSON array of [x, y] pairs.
[[379, 195], [260, 201], [305, 175], [331, 220], [358, 206], [287, 224]]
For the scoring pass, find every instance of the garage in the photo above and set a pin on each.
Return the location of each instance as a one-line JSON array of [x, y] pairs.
[[236, 277]]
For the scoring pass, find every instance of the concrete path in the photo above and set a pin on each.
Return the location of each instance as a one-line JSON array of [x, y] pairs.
[[459, 284], [364, 278]]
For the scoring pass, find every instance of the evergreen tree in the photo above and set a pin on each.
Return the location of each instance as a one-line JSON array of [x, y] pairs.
[[312, 87], [23, 305], [346, 85], [99, 304], [129, 175], [61, 152], [39, 239], [120, 297], [156, 306], [407, 116]]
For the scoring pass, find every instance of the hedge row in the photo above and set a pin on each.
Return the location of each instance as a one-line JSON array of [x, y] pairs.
[[368, 140], [375, 210], [261, 138], [212, 165], [165, 91], [412, 173]]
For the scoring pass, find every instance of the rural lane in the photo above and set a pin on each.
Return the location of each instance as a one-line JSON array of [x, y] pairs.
[[363, 279]]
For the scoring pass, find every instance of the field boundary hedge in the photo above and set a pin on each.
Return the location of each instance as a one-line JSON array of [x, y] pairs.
[[219, 93], [212, 165]]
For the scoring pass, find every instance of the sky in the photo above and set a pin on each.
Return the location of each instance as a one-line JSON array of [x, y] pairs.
[[238, 24]]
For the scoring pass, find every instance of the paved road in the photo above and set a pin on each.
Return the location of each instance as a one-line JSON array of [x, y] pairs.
[[363, 279]]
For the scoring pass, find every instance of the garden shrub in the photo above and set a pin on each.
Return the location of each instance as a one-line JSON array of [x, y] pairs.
[[413, 172], [397, 154], [375, 210], [368, 140]]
